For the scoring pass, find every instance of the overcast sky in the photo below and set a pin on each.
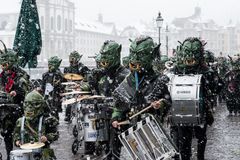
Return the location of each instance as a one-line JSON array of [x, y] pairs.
[[130, 12]]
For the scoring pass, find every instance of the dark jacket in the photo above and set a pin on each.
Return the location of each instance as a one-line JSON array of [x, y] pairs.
[[20, 84], [151, 88], [104, 83], [55, 79]]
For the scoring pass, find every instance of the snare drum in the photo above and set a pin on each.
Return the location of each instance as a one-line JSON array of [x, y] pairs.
[[21, 155], [147, 140]]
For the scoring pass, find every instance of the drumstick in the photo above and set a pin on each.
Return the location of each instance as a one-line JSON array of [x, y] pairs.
[[140, 112]]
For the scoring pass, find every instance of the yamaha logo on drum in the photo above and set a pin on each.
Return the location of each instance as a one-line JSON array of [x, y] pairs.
[[183, 92]]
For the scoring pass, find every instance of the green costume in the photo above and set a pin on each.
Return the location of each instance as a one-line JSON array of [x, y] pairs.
[[76, 66], [141, 87], [13, 79], [190, 60], [232, 87], [36, 123], [110, 72], [52, 85]]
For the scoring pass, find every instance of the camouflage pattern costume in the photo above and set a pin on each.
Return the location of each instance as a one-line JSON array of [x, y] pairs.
[[76, 67], [190, 60], [140, 88], [36, 114], [14, 81], [232, 87], [109, 74], [52, 85]]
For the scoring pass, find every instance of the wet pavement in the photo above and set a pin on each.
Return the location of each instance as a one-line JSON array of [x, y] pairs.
[[223, 139]]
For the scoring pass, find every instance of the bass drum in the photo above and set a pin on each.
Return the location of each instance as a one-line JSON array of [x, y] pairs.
[[187, 101], [147, 140]]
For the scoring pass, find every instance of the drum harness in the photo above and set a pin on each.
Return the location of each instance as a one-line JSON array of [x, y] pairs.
[[39, 133]]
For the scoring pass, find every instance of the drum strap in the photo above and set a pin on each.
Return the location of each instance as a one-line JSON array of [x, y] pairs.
[[22, 130], [31, 129], [40, 129], [137, 83]]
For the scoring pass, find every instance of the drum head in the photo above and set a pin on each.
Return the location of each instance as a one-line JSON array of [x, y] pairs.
[[93, 99], [35, 145], [20, 151]]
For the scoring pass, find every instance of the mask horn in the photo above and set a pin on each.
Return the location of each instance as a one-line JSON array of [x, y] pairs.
[[5, 48]]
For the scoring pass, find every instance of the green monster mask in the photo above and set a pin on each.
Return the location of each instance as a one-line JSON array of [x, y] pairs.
[[159, 66], [141, 54], [54, 63], [208, 57], [34, 105], [110, 55], [190, 53], [235, 62], [74, 58], [125, 61], [8, 59]]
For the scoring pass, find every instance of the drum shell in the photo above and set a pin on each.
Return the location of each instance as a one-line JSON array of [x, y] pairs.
[[187, 100], [147, 140], [95, 129], [21, 155], [96, 116]]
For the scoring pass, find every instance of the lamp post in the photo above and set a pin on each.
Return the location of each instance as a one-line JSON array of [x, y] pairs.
[[159, 21], [167, 40]]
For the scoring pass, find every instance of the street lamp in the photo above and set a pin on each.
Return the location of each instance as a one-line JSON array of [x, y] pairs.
[[159, 21], [167, 40]]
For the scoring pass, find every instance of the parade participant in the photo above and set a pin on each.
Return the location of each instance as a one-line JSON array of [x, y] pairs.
[[232, 86], [110, 73], [222, 67], [13, 81], [190, 60], [38, 126], [141, 88], [210, 62], [76, 67], [52, 85]]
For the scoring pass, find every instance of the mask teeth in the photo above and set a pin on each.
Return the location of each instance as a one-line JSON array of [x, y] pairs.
[[104, 64], [136, 67], [29, 114]]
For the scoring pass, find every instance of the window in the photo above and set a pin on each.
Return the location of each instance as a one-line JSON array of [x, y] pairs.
[[66, 25], [59, 22], [70, 25], [52, 23]]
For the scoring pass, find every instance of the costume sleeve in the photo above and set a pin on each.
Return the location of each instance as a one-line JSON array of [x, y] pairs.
[[52, 133], [17, 131]]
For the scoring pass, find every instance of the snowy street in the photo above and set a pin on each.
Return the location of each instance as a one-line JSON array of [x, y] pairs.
[[223, 139]]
